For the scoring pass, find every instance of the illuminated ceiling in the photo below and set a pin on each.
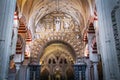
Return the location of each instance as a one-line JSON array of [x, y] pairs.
[[34, 10], [58, 49]]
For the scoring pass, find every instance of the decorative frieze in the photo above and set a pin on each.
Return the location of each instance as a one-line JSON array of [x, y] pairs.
[[116, 31], [67, 38]]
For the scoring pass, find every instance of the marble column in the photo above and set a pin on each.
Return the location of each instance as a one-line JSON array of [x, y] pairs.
[[95, 60], [15, 33], [95, 71], [88, 76], [7, 8], [17, 67], [28, 73], [80, 75], [88, 69], [106, 38], [90, 36]]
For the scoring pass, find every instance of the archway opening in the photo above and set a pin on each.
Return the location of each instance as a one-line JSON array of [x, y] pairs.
[[70, 74], [44, 74], [58, 57]]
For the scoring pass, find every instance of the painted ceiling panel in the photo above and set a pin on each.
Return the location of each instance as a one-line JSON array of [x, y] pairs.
[[39, 8], [35, 10]]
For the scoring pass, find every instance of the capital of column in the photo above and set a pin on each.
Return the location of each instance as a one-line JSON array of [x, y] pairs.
[[95, 63], [89, 66], [16, 20], [17, 66]]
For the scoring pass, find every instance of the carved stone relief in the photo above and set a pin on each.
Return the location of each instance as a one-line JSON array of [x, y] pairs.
[[116, 29]]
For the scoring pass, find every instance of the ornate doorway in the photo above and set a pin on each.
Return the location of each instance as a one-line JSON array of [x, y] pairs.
[[45, 74], [70, 74], [57, 74], [59, 60]]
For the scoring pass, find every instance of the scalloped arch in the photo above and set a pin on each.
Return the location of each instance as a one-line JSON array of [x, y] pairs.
[[39, 45]]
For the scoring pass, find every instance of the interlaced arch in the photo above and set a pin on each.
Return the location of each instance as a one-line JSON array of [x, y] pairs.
[[39, 45]]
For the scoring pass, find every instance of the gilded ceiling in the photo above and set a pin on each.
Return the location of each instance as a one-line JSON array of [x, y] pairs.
[[56, 20], [58, 50], [34, 10]]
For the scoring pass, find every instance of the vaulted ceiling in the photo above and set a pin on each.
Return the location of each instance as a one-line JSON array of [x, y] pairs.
[[34, 10], [76, 17]]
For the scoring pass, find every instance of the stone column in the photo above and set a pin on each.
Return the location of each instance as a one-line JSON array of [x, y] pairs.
[[15, 33], [95, 60], [95, 71], [90, 36], [80, 75], [17, 67], [7, 8], [88, 69], [107, 43], [88, 76], [28, 73]]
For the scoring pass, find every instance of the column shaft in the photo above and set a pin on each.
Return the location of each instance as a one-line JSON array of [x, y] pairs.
[[14, 40], [7, 8], [107, 46], [95, 71], [88, 76], [15, 33]]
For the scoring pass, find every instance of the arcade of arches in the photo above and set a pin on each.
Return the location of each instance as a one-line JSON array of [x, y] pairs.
[[59, 40]]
